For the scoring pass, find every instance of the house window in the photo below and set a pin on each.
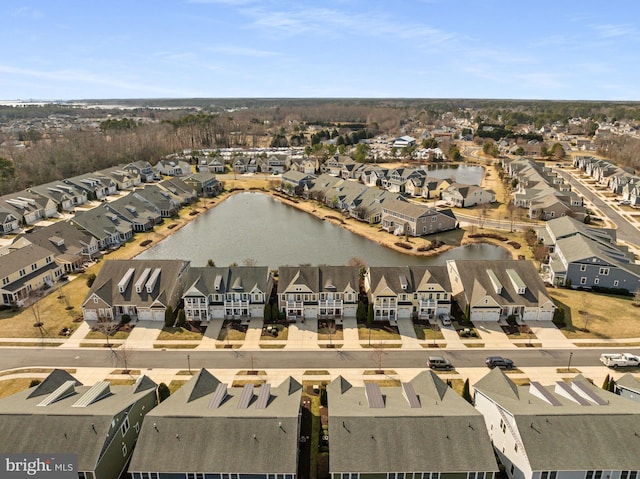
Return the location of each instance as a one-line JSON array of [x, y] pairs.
[[583, 280], [515, 448], [593, 475], [5, 281], [136, 426], [95, 299], [434, 219], [616, 283], [548, 474], [82, 475], [124, 450], [628, 474], [23, 272], [125, 425], [503, 426], [475, 475], [583, 267], [34, 267], [604, 271]]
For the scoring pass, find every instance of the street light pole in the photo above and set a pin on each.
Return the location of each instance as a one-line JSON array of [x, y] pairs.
[[189, 362], [569, 366]]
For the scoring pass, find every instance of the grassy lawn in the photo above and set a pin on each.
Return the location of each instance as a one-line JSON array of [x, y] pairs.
[[272, 346], [231, 334], [316, 372], [12, 386], [605, 316], [376, 333], [51, 311], [386, 383], [337, 335], [178, 334], [382, 346], [175, 385], [426, 332], [121, 382], [113, 335], [175, 346]]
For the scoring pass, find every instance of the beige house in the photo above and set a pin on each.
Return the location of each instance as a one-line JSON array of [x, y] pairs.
[[401, 217]]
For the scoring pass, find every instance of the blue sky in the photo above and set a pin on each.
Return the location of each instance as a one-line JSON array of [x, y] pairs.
[[562, 49]]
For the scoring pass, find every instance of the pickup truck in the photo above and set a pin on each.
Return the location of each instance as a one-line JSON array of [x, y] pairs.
[[620, 360]]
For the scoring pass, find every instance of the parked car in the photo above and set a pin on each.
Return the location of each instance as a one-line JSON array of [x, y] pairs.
[[498, 362], [438, 362], [446, 319]]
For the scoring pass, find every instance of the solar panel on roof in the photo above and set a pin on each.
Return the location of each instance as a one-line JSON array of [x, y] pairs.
[[588, 394], [97, 391], [263, 396], [218, 396], [543, 393], [374, 395], [410, 395], [65, 389], [564, 389], [245, 396]]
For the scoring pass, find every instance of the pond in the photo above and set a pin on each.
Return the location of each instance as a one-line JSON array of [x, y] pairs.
[[258, 227]]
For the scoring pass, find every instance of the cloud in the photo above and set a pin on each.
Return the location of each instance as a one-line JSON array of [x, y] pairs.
[[614, 31], [242, 51], [28, 12]]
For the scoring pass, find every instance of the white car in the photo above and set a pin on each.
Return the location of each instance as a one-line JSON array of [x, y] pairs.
[[446, 319]]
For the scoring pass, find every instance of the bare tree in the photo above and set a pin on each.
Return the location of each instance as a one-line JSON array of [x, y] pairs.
[[378, 356], [513, 214], [330, 328], [124, 355], [249, 262], [107, 328], [484, 212]]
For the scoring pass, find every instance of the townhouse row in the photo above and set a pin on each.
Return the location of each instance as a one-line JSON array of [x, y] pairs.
[[419, 429], [484, 291], [621, 181], [541, 191], [27, 207]]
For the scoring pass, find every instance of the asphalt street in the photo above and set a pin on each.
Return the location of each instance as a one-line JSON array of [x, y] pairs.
[[280, 359]]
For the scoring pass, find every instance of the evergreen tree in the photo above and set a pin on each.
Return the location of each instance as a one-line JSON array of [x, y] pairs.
[[370, 315], [606, 383], [275, 312], [182, 320], [267, 312], [466, 394], [168, 317], [163, 392], [361, 312]]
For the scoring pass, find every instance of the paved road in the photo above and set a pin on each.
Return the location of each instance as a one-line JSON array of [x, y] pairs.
[[625, 231], [281, 359]]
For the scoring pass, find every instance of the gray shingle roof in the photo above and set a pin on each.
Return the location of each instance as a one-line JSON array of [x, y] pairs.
[[399, 437], [569, 436], [250, 440]]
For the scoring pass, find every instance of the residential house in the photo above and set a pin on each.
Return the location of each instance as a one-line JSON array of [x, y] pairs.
[[562, 431], [173, 167], [65, 196], [588, 257], [215, 165], [318, 292], [319, 188], [141, 289], [628, 386], [403, 142], [25, 269], [294, 182], [204, 183], [402, 217], [125, 180], [162, 198], [97, 424], [28, 208], [104, 225], [185, 193], [409, 292], [236, 292], [464, 196], [70, 247], [207, 429], [143, 169], [308, 166], [418, 429], [373, 175], [494, 290], [133, 208], [397, 179], [340, 196], [367, 206], [8, 221], [96, 186], [276, 164]]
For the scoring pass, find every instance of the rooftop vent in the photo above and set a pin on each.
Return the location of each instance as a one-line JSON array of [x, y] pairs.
[[124, 282]]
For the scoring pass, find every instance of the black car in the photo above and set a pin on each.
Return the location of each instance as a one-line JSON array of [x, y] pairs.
[[498, 362]]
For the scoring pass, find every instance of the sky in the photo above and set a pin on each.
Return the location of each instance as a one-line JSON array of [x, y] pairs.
[[90, 49]]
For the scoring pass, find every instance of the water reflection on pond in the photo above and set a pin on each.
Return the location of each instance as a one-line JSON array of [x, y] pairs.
[[256, 226]]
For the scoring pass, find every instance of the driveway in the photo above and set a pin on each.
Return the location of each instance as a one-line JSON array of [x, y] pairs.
[[493, 336], [548, 335]]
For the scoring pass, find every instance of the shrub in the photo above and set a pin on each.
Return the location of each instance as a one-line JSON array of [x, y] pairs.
[[323, 396], [34, 382], [163, 392], [125, 319], [514, 244], [168, 317], [403, 245], [267, 313], [90, 279], [558, 318], [182, 320]]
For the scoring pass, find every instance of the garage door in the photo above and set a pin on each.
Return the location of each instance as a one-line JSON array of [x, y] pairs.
[[485, 315], [144, 314], [91, 315], [546, 316], [158, 315]]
